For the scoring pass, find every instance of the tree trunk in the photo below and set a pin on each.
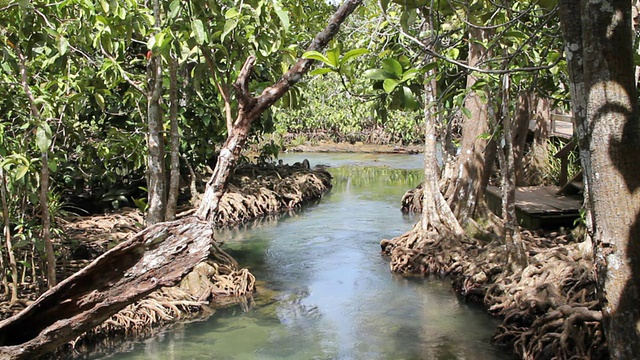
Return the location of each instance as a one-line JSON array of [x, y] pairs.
[[250, 108], [44, 174], [13, 265], [471, 170], [174, 172], [513, 240], [599, 47], [436, 213], [519, 135], [156, 173], [158, 256]]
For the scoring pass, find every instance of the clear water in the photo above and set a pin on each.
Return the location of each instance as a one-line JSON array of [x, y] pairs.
[[324, 290]]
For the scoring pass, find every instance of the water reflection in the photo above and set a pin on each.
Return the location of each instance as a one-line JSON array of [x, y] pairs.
[[325, 292]]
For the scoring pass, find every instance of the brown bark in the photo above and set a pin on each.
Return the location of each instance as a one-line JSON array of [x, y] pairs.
[[156, 173], [519, 135], [250, 108], [159, 256], [470, 173], [599, 47], [174, 169]]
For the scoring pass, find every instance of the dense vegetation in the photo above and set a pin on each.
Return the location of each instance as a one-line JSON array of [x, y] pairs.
[[114, 101]]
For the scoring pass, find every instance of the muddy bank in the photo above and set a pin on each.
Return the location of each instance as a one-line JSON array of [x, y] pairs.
[[358, 147], [548, 308], [218, 281]]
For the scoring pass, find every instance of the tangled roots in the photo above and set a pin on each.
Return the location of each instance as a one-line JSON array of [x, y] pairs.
[[267, 189], [549, 307], [419, 252]]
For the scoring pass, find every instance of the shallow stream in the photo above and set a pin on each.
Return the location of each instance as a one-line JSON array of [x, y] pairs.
[[324, 290]]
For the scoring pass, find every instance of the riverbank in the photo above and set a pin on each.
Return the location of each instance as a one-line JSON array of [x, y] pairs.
[[548, 307], [218, 281], [357, 147]]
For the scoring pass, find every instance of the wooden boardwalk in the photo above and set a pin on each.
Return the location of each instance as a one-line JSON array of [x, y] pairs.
[[561, 125], [539, 206]]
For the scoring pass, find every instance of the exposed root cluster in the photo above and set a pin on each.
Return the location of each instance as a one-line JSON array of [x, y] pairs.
[[254, 191], [216, 281], [412, 200], [259, 190], [549, 307], [422, 252]]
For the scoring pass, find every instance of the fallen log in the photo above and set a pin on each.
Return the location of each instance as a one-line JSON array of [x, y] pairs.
[[159, 256]]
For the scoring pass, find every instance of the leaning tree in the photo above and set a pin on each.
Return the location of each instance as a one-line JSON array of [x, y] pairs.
[[160, 255]]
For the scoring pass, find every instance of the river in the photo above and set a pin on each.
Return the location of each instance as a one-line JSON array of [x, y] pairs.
[[324, 291]]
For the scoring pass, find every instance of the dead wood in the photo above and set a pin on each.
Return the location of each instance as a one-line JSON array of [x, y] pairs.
[[159, 256]]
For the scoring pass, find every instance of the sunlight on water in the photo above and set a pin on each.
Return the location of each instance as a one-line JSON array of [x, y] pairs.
[[324, 290]]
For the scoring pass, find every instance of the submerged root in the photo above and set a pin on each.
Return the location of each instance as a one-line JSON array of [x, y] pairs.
[[549, 308]]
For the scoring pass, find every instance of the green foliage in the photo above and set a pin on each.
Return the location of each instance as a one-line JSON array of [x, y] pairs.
[[329, 113]]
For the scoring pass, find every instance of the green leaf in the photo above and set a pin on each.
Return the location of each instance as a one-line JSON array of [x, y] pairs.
[[389, 85], [547, 4], [198, 31], [314, 55], [409, 101], [384, 4], [352, 54], [53, 165], [320, 71], [99, 99], [43, 138], [229, 26], [21, 171], [408, 18], [231, 14], [19, 245], [377, 74], [410, 75], [466, 112], [392, 66], [333, 55], [283, 15], [63, 45], [174, 9], [105, 6]]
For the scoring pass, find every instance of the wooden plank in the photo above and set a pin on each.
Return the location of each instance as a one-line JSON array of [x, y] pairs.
[[542, 200], [561, 126]]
